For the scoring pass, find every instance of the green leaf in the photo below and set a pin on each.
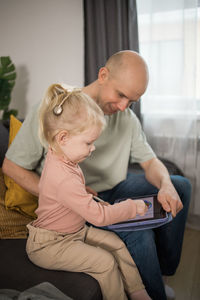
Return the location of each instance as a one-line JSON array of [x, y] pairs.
[[6, 114], [10, 68], [10, 76], [5, 93], [5, 60], [7, 68], [7, 82]]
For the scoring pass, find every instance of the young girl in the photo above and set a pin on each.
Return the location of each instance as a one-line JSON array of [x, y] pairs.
[[59, 239]]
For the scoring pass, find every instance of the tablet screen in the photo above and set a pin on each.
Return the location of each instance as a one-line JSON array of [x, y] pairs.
[[150, 211], [155, 210]]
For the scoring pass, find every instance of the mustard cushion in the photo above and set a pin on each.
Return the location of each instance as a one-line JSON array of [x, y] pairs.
[[16, 198], [12, 223]]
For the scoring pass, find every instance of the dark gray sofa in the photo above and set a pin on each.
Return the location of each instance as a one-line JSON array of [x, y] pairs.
[[17, 272]]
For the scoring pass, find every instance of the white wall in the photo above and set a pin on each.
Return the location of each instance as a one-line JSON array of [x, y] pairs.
[[44, 38]]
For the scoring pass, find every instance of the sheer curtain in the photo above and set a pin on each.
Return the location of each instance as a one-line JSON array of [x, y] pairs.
[[169, 39]]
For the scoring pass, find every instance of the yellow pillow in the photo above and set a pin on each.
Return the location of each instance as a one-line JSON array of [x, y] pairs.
[[12, 223], [16, 198]]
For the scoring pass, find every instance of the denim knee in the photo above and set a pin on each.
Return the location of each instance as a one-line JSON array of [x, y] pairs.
[[139, 241]]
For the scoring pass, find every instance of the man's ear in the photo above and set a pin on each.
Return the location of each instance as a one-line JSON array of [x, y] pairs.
[[62, 137], [103, 75]]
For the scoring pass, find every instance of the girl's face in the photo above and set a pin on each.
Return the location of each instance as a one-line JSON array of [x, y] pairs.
[[78, 147]]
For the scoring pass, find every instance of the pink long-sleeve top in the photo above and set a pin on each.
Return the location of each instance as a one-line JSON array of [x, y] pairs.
[[64, 204]]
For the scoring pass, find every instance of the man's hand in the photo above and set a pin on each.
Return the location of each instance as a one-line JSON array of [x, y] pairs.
[[28, 180], [157, 174], [169, 199]]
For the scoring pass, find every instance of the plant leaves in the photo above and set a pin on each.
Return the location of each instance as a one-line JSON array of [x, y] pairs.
[[7, 82], [7, 113], [10, 68], [5, 93], [5, 60], [10, 76], [6, 67]]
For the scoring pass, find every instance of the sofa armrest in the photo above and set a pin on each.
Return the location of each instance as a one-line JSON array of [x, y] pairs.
[[4, 136], [172, 168]]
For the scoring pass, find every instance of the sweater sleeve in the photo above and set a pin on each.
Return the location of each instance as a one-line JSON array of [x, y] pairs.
[[73, 195]]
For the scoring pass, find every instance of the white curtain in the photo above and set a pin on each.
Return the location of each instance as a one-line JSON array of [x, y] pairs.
[[169, 39]]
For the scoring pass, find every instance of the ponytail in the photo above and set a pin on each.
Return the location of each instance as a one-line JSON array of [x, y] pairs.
[[68, 109]]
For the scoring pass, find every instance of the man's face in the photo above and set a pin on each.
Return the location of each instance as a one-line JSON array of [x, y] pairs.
[[117, 93]]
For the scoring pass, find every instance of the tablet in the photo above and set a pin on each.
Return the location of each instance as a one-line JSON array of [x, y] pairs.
[[155, 210], [154, 217]]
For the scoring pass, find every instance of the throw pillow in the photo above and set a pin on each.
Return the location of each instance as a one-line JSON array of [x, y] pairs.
[[16, 198], [12, 223]]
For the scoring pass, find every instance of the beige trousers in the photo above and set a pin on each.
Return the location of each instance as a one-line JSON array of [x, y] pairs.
[[99, 253]]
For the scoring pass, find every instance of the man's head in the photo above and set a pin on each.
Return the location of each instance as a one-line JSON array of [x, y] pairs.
[[121, 82]]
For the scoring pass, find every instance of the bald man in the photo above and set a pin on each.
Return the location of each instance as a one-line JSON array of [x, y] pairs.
[[121, 82]]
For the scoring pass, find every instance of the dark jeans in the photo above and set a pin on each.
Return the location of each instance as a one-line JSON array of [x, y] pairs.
[[156, 252]]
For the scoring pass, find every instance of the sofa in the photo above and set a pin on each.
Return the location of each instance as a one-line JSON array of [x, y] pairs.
[[17, 272]]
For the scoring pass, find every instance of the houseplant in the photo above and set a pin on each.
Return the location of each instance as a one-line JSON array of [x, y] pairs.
[[7, 82]]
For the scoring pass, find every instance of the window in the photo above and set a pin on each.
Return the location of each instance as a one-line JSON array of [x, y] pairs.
[[169, 38]]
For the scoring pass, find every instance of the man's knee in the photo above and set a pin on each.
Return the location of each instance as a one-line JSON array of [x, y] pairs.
[[139, 242]]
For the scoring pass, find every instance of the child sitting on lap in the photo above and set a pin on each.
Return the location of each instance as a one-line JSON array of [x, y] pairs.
[[59, 239]]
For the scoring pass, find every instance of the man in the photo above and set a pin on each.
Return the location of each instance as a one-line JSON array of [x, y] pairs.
[[120, 83]]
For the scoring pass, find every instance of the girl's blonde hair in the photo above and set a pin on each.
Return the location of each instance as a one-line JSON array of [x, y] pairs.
[[71, 110]]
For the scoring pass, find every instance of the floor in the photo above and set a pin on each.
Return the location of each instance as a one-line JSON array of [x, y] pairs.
[[186, 281]]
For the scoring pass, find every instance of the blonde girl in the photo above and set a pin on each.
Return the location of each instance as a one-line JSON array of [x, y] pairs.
[[70, 122]]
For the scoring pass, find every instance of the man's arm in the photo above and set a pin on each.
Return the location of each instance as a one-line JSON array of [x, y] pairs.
[[28, 180], [157, 174]]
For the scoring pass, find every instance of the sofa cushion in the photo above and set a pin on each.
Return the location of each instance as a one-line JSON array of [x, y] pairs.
[[12, 223], [17, 272], [17, 198]]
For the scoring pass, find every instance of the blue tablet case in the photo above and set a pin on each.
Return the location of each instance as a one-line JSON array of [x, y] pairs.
[[140, 224]]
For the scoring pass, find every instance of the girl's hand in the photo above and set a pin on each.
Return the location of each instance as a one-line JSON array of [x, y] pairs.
[[141, 207]]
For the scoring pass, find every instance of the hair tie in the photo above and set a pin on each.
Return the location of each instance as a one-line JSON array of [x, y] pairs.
[[58, 109]]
